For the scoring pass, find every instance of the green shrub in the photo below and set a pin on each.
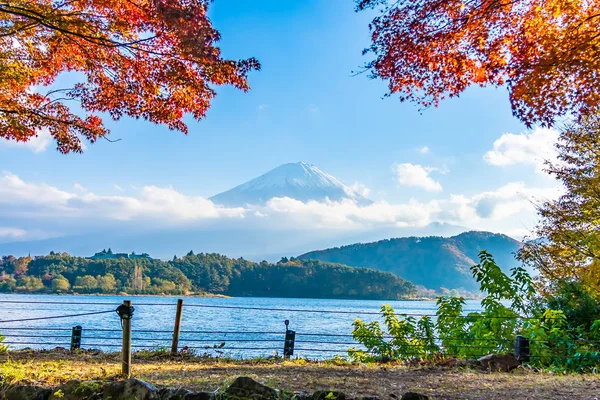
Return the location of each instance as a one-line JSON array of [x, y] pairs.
[[510, 307]]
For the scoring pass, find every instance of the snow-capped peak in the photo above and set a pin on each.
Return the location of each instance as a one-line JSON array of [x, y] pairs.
[[299, 174], [301, 181]]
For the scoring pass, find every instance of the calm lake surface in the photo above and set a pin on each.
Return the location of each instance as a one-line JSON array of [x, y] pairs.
[[242, 332]]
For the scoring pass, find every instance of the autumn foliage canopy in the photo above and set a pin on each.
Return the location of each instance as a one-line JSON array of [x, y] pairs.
[[150, 59], [547, 52]]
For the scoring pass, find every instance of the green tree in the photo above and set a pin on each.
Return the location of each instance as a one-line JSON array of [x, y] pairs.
[[8, 285], [30, 284], [164, 286], [18, 266], [60, 284], [213, 273], [86, 282], [107, 283], [183, 283], [569, 248]]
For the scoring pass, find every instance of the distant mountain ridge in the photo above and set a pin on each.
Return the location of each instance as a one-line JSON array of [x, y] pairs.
[[300, 181], [433, 262]]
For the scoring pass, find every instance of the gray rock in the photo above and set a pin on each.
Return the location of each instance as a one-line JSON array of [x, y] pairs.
[[370, 398], [328, 394], [77, 390], [199, 396], [129, 389], [248, 388], [499, 362], [301, 396], [414, 396], [25, 392], [173, 393]]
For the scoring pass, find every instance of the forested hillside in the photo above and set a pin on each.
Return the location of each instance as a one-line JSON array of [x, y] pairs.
[[434, 262], [197, 273]]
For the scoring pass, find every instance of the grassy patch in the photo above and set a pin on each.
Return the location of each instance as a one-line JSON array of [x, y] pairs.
[[382, 380]]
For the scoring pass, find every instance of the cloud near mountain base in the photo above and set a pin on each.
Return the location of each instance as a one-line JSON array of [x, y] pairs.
[[26, 207], [20, 199]]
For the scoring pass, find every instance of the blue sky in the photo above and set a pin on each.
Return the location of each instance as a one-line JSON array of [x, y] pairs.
[[307, 105]]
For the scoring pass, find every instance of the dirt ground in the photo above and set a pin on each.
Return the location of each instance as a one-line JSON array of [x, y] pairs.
[[387, 381]]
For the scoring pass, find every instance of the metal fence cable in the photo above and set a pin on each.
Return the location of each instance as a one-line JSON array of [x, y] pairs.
[[55, 317]]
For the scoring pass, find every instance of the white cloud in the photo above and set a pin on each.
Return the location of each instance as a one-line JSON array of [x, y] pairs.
[[262, 107], [415, 175], [529, 148], [348, 214], [36, 144], [511, 199], [53, 211], [19, 198], [507, 208], [424, 150], [119, 188], [11, 233], [357, 189], [512, 208], [29, 199], [79, 188], [164, 205]]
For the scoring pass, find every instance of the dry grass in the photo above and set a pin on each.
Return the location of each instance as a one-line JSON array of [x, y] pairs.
[[385, 381]]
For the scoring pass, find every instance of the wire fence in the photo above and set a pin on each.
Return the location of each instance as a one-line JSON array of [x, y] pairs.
[[240, 343]]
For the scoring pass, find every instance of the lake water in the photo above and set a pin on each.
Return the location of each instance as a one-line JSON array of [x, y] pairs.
[[206, 322]]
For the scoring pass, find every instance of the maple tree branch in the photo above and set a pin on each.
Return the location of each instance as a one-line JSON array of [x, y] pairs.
[[23, 28], [132, 46], [44, 21], [151, 59], [67, 122]]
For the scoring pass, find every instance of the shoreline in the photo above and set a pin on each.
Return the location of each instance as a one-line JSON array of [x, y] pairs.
[[123, 294], [210, 295], [223, 296]]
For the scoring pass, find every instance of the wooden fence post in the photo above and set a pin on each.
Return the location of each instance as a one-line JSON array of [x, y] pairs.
[[125, 311], [76, 337], [177, 327]]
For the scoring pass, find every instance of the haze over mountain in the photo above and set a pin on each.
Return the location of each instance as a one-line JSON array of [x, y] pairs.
[[266, 231], [299, 181], [433, 262], [252, 243]]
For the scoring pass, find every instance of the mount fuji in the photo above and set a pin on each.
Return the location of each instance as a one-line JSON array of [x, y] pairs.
[[300, 181]]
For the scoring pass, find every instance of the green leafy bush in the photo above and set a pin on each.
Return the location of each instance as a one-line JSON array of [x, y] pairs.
[[511, 307], [405, 338]]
